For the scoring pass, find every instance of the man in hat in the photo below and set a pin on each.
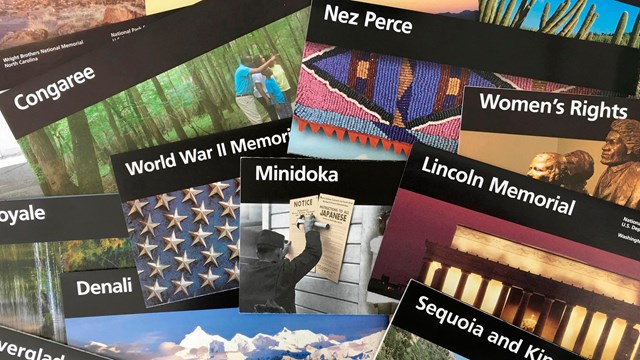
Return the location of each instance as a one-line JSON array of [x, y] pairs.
[[620, 183], [268, 285]]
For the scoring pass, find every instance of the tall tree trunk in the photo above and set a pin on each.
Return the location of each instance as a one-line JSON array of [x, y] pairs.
[[37, 170], [214, 112], [287, 68], [52, 167], [121, 144], [173, 115], [128, 140], [141, 111], [294, 35], [84, 154], [225, 89]]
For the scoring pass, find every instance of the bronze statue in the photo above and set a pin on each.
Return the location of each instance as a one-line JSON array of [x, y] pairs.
[[579, 170], [549, 167], [620, 183]]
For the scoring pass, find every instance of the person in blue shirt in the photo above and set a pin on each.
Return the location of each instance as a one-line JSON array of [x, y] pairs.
[[283, 108], [244, 87]]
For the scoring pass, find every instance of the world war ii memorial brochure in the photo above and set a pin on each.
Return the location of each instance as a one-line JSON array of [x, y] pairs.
[[176, 85], [21, 63], [181, 202], [429, 324], [352, 203], [566, 140], [376, 79], [617, 20], [207, 327], [41, 238], [19, 345], [557, 263]]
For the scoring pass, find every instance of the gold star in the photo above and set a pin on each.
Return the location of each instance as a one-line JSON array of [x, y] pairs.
[[172, 242], [234, 274], [201, 213], [146, 248], [175, 219], [136, 207], [229, 207], [234, 250], [163, 201], [237, 184], [155, 291], [226, 230], [149, 226], [211, 256], [190, 194], [182, 285], [184, 262], [199, 236], [157, 268], [208, 279], [217, 188]]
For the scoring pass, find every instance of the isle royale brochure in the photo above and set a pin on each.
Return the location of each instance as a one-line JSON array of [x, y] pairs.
[[375, 79], [181, 202], [581, 143], [207, 327], [557, 263], [42, 237]]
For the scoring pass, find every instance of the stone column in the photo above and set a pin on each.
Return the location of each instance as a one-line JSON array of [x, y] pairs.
[[564, 321], [522, 308], [582, 335], [482, 291], [602, 340], [461, 284], [544, 314], [502, 300]]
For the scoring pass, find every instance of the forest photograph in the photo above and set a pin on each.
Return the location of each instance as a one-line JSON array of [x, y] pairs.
[[399, 344], [72, 155], [606, 21]]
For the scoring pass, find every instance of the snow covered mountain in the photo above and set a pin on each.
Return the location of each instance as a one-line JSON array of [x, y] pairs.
[[297, 344]]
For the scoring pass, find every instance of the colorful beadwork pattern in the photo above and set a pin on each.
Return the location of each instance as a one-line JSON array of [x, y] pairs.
[[391, 100]]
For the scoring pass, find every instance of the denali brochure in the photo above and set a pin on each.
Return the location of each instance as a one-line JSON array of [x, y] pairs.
[[431, 325], [376, 79], [557, 263], [311, 230], [18, 345], [21, 63], [182, 201], [617, 23], [70, 119], [43, 237], [207, 327], [582, 143]]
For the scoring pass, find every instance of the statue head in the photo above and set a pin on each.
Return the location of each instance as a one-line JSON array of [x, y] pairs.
[[548, 167], [622, 143], [579, 166]]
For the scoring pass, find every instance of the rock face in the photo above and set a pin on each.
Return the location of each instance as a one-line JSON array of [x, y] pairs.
[[23, 37], [118, 13]]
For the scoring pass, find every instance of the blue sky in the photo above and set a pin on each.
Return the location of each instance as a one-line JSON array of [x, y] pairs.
[[154, 328], [609, 10]]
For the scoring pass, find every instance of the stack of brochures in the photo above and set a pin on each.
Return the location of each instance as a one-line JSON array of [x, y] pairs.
[[320, 179]]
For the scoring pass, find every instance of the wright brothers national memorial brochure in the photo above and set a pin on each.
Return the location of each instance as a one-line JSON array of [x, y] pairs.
[[181, 202], [206, 327], [555, 262], [375, 79]]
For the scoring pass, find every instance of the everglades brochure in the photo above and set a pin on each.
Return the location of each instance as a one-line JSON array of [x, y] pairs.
[[555, 262], [376, 79], [323, 266], [176, 85], [181, 202], [581, 143], [207, 327], [41, 238]]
